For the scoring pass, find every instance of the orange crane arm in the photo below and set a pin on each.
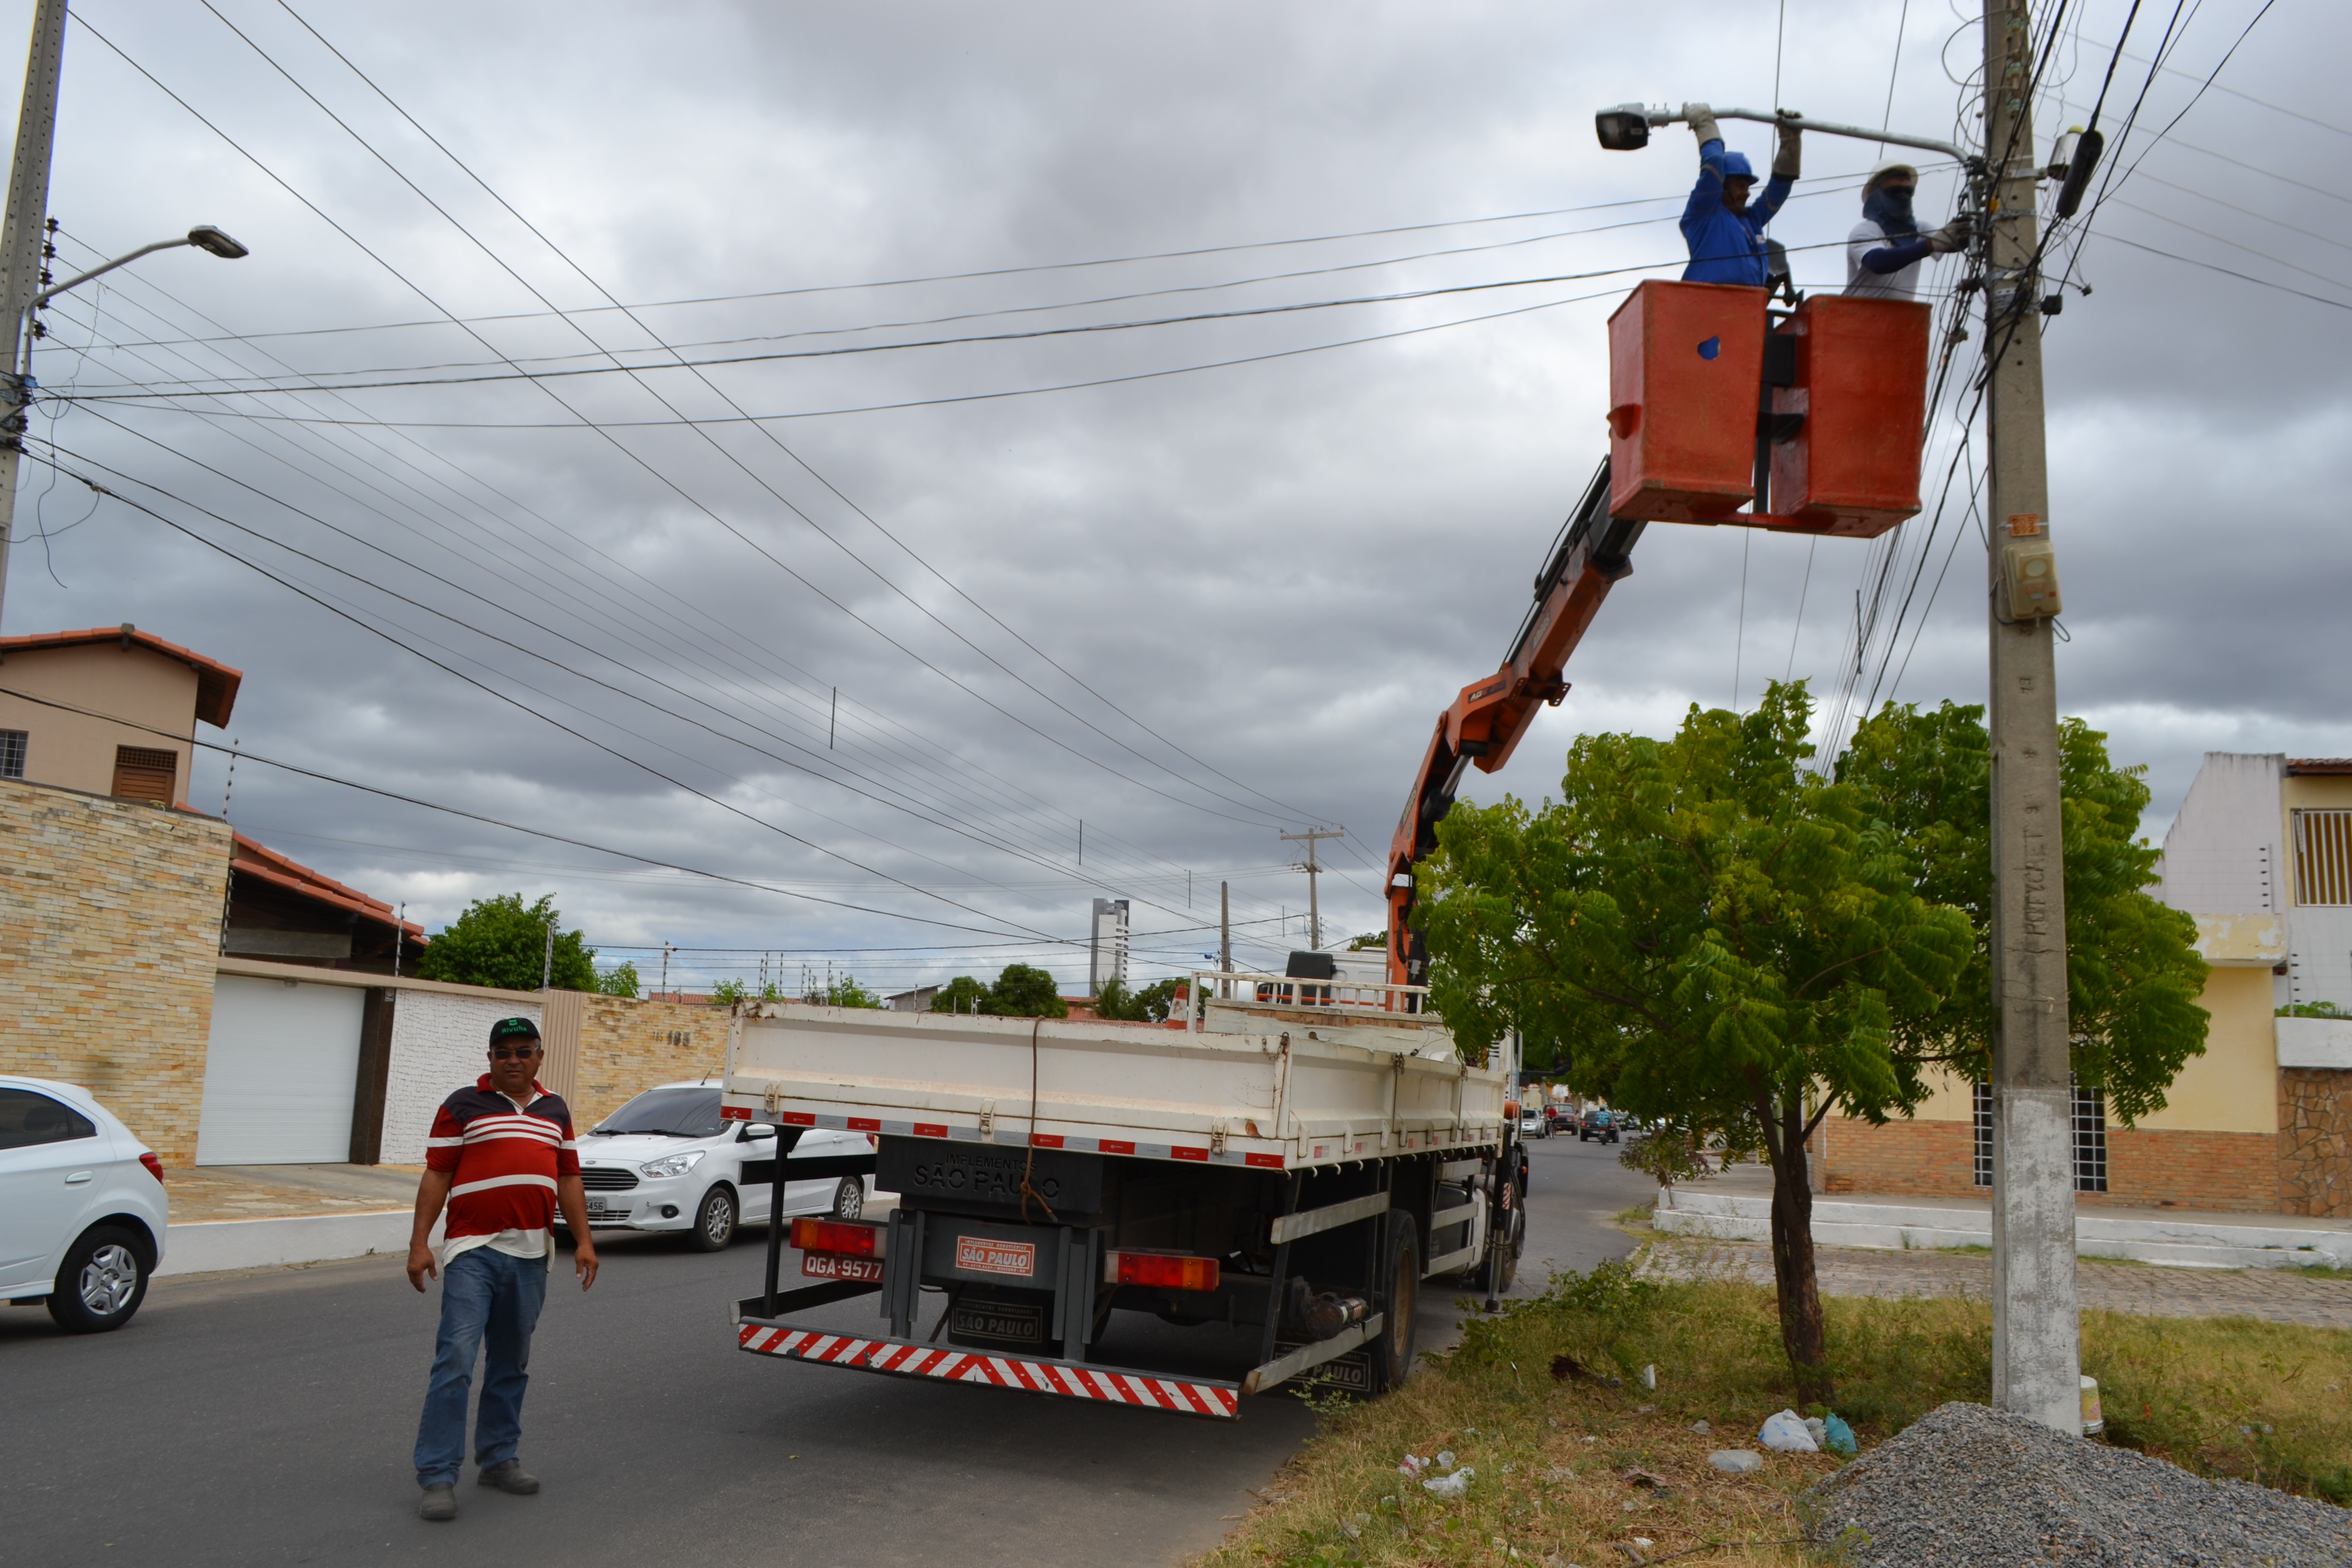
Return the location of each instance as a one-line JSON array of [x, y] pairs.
[[1486, 721]]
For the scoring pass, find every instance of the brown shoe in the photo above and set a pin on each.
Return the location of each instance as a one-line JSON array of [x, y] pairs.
[[509, 1477]]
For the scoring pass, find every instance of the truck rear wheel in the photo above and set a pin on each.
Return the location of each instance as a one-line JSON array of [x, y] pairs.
[[1392, 1353], [1503, 1249]]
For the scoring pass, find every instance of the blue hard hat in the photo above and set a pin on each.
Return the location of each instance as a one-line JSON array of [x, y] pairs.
[[1737, 167]]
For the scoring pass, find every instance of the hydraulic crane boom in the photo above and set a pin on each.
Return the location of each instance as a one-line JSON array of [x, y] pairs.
[[1485, 723]]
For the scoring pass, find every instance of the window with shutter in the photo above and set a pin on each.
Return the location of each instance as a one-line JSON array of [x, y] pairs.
[[11, 754], [2323, 857], [143, 772]]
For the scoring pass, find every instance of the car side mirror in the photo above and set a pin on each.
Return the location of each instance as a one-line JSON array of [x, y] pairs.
[[754, 1131]]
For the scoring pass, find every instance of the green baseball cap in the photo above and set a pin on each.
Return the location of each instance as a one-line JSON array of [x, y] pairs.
[[512, 1028]]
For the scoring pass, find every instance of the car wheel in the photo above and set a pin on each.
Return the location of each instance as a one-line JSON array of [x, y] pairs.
[[849, 1199], [714, 1222], [1392, 1353], [100, 1283]]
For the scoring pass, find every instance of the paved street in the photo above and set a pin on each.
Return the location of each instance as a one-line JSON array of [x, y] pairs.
[[267, 1418]]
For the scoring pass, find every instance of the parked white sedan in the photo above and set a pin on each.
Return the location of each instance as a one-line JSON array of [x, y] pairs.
[[82, 1210], [666, 1161]]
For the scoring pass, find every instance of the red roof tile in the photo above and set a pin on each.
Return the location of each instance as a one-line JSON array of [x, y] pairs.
[[2319, 764], [216, 683], [252, 859]]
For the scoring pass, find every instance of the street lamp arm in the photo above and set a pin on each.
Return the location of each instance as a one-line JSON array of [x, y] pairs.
[[1669, 115], [46, 295]]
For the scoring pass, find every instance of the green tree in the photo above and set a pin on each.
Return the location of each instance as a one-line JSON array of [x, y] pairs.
[[1151, 1004], [1705, 931], [2133, 975], [961, 995], [727, 993], [502, 942], [621, 980], [1023, 992], [845, 993], [1370, 941]]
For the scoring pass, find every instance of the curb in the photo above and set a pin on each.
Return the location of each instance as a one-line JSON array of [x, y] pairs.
[[212, 1246]]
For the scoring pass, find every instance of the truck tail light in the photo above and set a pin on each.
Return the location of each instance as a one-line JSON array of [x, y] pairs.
[[852, 1240], [1160, 1271], [154, 1165]]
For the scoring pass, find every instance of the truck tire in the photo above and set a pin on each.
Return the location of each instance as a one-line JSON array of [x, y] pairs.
[[1392, 1353], [1503, 1249]]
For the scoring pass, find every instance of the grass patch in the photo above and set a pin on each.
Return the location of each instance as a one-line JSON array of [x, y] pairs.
[[2264, 1402]]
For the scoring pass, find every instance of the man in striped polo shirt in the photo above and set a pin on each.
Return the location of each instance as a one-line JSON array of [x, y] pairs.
[[501, 1156]]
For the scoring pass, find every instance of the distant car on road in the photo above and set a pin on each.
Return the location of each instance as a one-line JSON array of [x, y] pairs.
[[668, 1162], [1602, 1124], [82, 1210], [1533, 1123], [1559, 1116]]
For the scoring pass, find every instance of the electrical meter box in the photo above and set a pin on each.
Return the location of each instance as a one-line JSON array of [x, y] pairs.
[[1686, 366], [1852, 467]]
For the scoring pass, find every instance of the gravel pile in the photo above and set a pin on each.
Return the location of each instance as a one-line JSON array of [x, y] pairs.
[[1972, 1488]]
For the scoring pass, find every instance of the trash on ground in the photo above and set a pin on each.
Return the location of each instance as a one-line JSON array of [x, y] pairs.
[[1650, 1377], [1820, 1431], [1787, 1433], [1412, 1466], [1645, 1478], [1701, 1427], [1446, 1458], [1736, 1461], [1838, 1437], [1453, 1485]]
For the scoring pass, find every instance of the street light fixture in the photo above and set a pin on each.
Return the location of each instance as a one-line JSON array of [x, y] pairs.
[[15, 389]]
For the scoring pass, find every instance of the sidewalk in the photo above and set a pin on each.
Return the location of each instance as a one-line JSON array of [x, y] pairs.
[[2277, 1296], [263, 1217]]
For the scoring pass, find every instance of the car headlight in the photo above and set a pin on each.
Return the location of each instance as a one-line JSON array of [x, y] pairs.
[[671, 1165]]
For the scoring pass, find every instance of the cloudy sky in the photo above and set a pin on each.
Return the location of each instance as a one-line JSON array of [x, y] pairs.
[[865, 624]]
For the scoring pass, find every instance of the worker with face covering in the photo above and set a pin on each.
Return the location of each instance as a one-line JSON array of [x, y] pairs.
[[1884, 252], [1723, 227]]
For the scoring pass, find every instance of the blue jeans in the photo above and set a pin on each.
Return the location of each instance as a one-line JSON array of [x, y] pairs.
[[490, 1301]]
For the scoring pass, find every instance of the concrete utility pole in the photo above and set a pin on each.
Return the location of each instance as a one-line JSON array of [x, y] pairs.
[[24, 241], [2036, 1343], [1313, 909], [547, 964], [1224, 940]]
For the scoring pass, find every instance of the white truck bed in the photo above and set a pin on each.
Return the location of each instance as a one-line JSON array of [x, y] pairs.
[[1275, 1087]]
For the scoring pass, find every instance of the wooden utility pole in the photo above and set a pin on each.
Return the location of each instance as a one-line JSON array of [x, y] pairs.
[[2036, 1347], [24, 242], [1312, 836]]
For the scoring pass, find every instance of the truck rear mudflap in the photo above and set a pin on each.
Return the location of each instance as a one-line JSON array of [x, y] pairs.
[[904, 1358]]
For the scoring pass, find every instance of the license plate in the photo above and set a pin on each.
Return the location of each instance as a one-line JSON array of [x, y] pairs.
[[833, 1266], [595, 1205]]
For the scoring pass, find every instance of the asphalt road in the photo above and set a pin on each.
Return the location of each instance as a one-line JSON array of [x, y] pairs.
[[268, 1418]]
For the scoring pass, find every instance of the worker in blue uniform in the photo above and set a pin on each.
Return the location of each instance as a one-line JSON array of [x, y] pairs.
[[1723, 225]]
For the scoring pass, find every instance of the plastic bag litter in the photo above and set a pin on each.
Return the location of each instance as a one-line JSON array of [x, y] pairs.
[[1820, 1429], [1787, 1433], [1446, 1458], [1412, 1466], [1453, 1485], [1736, 1461], [1838, 1437], [1701, 1427]]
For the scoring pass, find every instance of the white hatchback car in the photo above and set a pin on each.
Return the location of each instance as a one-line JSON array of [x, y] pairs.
[[82, 1210], [666, 1161]]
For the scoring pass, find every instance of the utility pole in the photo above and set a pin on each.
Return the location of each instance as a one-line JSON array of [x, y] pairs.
[[1224, 940], [547, 964], [1312, 836], [2036, 1343], [24, 243]]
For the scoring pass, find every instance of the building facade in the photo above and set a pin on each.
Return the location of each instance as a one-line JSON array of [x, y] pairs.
[[2261, 856], [1106, 945], [111, 711]]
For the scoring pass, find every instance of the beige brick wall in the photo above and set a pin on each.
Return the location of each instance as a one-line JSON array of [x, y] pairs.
[[626, 1047], [110, 922]]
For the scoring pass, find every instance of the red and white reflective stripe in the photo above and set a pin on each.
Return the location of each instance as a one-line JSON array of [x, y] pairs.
[[1188, 1398]]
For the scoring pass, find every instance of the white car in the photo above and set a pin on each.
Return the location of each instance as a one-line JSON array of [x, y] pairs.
[[666, 1161], [83, 1209]]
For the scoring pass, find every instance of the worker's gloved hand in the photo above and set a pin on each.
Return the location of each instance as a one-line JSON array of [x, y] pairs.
[[1953, 236], [1702, 123], [1788, 155]]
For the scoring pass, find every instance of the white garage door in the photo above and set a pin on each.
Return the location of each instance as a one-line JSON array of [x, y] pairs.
[[279, 1073]]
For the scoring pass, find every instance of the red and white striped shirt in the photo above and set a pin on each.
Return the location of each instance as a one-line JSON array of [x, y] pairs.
[[506, 1158]]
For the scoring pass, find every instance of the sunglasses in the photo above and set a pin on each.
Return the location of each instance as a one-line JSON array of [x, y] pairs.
[[513, 1053]]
